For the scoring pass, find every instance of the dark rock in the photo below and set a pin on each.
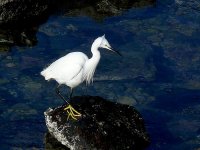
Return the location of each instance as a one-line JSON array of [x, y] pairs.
[[18, 36], [52, 144], [99, 9], [115, 6], [25, 11], [103, 125], [20, 19], [21, 10]]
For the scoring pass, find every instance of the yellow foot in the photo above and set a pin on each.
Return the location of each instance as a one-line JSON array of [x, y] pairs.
[[72, 112]]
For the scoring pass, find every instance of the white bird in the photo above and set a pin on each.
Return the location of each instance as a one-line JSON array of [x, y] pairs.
[[75, 68]]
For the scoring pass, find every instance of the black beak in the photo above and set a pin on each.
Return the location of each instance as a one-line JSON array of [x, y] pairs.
[[115, 51]]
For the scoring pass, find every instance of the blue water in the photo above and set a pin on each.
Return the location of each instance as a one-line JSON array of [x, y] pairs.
[[159, 73]]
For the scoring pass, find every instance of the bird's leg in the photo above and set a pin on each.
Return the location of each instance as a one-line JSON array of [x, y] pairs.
[[60, 95], [71, 92], [70, 110]]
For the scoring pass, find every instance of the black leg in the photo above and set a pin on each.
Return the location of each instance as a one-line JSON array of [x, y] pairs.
[[60, 95], [71, 92]]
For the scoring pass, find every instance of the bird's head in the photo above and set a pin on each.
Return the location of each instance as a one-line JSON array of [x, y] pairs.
[[105, 44]]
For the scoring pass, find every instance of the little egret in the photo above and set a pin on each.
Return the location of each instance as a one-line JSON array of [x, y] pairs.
[[75, 68]]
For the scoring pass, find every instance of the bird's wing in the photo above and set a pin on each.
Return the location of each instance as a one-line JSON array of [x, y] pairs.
[[67, 67], [71, 71]]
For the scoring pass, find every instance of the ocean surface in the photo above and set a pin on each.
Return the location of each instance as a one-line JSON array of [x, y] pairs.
[[159, 73]]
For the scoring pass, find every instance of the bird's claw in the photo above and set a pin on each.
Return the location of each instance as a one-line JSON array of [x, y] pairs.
[[72, 112]]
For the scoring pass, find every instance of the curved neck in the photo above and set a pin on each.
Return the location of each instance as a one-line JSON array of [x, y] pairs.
[[91, 64], [94, 50]]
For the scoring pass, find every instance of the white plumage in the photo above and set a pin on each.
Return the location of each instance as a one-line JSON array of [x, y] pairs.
[[67, 70], [75, 67]]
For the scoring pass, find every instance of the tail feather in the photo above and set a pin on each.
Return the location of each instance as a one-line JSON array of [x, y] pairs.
[[45, 73]]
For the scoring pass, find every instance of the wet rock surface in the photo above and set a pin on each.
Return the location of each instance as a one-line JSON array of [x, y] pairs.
[[103, 125]]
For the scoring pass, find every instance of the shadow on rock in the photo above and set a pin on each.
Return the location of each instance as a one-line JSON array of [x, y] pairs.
[[103, 125]]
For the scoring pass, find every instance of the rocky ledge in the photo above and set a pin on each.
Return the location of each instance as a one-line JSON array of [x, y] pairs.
[[25, 11], [103, 125], [20, 19]]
